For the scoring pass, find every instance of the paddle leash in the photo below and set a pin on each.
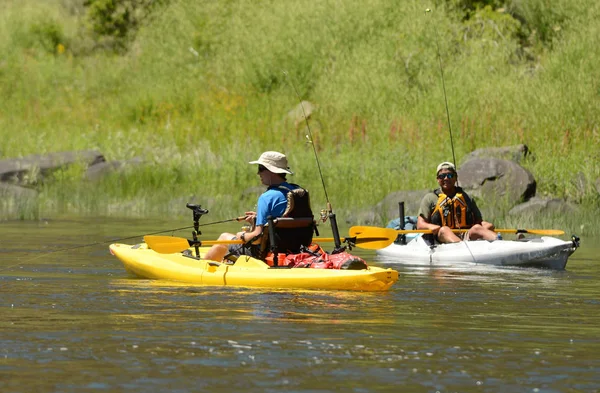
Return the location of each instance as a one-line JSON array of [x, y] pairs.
[[328, 213]]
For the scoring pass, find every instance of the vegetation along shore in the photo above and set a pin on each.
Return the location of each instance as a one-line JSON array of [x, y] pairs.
[[182, 94]]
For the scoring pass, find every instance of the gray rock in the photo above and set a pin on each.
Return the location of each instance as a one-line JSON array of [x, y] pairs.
[[101, 169], [388, 209], [33, 168], [496, 181], [14, 191], [297, 114], [543, 205], [515, 153]]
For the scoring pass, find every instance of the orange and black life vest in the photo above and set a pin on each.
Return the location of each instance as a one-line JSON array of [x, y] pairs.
[[453, 212]]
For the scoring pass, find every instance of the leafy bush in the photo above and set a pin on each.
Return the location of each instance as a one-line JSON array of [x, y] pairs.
[[48, 34], [116, 21]]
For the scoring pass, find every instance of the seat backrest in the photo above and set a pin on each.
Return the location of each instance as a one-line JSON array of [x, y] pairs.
[[287, 235], [294, 229]]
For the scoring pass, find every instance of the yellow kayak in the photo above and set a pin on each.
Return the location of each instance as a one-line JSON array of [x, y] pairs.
[[246, 272]]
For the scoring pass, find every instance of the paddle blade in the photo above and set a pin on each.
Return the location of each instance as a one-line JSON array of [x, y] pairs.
[[373, 238], [166, 244]]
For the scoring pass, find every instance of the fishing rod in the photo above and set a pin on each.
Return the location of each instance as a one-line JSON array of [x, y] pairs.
[[444, 89], [309, 137], [437, 45], [117, 240]]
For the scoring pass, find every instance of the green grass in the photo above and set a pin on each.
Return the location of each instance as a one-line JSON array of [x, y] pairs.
[[201, 90]]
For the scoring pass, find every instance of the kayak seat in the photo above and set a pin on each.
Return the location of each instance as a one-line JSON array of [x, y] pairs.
[[287, 235]]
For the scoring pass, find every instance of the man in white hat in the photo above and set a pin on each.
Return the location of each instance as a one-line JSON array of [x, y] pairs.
[[272, 169], [449, 207]]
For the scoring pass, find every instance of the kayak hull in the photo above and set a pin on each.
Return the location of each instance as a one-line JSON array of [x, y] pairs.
[[545, 252], [246, 272]]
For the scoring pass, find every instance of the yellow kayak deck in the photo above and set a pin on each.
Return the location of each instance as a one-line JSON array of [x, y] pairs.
[[246, 272]]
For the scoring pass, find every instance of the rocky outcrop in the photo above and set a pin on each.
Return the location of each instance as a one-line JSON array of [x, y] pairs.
[[515, 153], [20, 176], [34, 168], [544, 206], [388, 208], [14, 191], [492, 176], [496, 180], [101, 169]]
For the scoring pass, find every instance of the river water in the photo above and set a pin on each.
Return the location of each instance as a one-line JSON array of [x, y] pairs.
[[74, 321]]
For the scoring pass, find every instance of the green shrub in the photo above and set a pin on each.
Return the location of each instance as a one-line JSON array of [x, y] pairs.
[[116, 21]]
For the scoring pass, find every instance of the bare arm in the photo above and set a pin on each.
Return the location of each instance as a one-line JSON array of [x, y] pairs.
[[488, 225], [251, 234], [423, 224]]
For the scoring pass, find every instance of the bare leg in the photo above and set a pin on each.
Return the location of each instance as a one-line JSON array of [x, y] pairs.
[[218, 251], [479, 232], [445, 235]]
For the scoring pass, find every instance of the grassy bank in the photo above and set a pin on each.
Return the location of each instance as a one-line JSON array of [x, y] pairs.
[[200, 89]]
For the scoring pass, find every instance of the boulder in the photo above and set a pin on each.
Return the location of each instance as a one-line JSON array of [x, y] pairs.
[[31, 169], [515, 153], [544, 206], [496, 181], [101, 169], [296, 115], [17, 192], [388, 209]]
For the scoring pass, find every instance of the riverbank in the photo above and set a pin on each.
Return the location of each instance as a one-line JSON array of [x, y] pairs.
[[199, 91]]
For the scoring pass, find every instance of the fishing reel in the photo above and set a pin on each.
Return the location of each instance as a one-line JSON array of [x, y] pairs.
[[324, 215]]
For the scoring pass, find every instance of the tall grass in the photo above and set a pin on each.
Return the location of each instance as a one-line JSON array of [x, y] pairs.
[[202, 90]]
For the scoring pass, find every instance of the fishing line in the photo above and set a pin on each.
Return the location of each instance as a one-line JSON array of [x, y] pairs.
[[309, 137], [437, 45], [115, 240]]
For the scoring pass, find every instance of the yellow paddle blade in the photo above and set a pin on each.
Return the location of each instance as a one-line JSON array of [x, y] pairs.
[[166, 244], [373, 238], [172, 244]]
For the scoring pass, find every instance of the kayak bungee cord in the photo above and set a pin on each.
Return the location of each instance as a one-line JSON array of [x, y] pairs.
[[114, 240], [330, 213]]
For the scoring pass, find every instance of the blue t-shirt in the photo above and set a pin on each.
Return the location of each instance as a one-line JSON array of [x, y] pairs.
[[272, 203]]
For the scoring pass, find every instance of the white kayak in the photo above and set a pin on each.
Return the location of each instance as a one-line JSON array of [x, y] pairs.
[[543, 252]]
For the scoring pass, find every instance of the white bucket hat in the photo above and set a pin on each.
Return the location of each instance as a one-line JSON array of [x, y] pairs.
[[274, 162], [446, 165]]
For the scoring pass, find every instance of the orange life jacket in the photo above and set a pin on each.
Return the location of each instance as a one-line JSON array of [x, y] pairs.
[[453, 212]]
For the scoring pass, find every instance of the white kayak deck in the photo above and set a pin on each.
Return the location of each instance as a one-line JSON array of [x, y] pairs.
[[544, 252]]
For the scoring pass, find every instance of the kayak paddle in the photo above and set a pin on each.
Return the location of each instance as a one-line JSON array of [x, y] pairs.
[[376, 238], [366, 230]]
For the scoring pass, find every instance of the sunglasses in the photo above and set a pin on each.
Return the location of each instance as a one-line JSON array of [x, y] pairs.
[[261, 168], [445, 175]]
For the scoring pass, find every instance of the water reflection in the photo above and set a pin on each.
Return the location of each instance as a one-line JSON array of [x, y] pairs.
[[78, 322]]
